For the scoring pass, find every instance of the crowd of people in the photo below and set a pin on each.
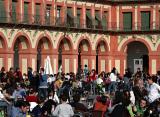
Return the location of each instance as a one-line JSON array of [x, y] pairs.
[[85, 94]]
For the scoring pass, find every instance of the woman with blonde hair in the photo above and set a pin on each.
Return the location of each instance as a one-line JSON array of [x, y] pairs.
[[138, 90]]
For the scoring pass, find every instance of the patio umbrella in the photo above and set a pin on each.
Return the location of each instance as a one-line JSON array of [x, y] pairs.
[[47, 66]]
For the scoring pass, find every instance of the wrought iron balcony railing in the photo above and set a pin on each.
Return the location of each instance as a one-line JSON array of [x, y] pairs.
[[121, 1], [76, 23]]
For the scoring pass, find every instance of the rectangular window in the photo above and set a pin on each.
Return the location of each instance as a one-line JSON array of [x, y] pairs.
[[47, 15], [145, 20], [37, 14], [70, 21], [97, 20], [26, 16], [127, 21], [58, 11], [58, 16], [104, 20], [13, 12], [88, 18], [2, 11], [78, 20]]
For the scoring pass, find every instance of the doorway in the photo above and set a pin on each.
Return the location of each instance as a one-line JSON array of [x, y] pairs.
[[137, 51]]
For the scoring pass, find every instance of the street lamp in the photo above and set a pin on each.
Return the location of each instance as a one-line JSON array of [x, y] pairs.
[[79, 50], [97, 60], [38, 58], [97, 51], [60, 50], [79, 61], [60, 57]]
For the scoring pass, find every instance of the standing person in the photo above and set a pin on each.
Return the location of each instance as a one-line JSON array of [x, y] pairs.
[[10, 76], [43, 86], [93, 78], [126, 79], [158, 77], [30, 75], [2, 74], [113, 78], [99, 83], [85, 70], [139, 73], [153, 90], [64, 109], [34, 82], [18, 75]]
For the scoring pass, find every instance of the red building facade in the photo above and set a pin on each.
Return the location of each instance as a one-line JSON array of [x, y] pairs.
[[75, 33]]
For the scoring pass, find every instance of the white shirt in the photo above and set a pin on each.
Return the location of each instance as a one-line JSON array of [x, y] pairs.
[[132, 97], [99, 81], [63, 110], [154, 92], [113, 77], [55, 98], [1, 96], [49, 80]]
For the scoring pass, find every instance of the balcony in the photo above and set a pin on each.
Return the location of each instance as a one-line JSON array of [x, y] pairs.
[[111, 2], [74, 24]]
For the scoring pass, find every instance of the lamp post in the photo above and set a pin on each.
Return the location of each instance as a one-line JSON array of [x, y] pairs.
[[60, 57], [38, 58], [16, 56], [79, 61], [97, 60]]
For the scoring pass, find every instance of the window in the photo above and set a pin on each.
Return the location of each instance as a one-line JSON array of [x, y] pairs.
[[97, 20], [104, 20], [78, 21], [26, 16], [2, 12], [37, 14], [58, 11], [88, 18], [47, 15], [13, 12], [58, 16], [127, 21], [70, 21], [145, 20]]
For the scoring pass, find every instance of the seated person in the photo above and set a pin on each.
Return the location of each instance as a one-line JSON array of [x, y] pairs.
[[77, 105], [32, 97], [100, 105], [19, 93], [141, 108], [63, 109], [20, 109]]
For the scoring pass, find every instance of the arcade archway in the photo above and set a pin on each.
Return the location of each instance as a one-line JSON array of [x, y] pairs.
[[64, 58], [101, 56], [84, 51], [21, 47], [137, 56], [43, 50], [3, 49]]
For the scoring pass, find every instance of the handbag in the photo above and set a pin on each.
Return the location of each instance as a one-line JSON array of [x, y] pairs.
[[108, 81]]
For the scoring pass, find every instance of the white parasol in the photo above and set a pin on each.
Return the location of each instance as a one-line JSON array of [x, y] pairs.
[[47, 66]]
